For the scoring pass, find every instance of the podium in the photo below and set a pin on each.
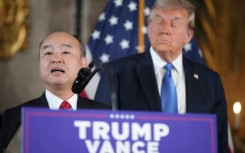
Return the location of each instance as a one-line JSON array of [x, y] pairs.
[[102, 131]]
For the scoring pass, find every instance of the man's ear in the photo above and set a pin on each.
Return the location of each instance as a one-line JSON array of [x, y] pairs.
[[84, 62], [149, 28], [189, 35]]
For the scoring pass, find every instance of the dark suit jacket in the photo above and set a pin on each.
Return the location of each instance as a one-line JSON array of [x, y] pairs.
[[12, 116], [136, 87]]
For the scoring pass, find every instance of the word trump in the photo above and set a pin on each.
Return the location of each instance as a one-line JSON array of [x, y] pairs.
[[125, 137]]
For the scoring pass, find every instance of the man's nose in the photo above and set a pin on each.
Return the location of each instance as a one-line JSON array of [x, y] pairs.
[[57, 58], [165, 28]]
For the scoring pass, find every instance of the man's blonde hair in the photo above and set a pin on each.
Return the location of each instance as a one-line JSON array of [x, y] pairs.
[[169, 4]]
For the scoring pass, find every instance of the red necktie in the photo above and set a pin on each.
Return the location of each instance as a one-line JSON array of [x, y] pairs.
[[65, 105]]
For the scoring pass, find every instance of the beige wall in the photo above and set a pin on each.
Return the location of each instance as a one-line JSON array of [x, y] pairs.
[[19, 79]]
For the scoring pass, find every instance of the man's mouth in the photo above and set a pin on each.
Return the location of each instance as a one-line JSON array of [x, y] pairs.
[[163, 41], [57, 70]]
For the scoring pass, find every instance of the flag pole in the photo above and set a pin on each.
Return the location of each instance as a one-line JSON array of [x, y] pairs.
[[140, 26]]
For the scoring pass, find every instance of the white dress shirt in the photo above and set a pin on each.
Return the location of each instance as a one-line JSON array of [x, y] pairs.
[[54, 101], [177, 74]]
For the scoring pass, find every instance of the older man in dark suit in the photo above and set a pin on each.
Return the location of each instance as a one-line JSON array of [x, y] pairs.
[[140, 79], [61, 56]]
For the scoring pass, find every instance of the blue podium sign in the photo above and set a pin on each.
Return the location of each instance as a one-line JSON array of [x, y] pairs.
[[96, 131]]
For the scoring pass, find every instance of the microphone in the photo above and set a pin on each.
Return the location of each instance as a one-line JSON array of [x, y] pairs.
[[83, 77], [86, 74]]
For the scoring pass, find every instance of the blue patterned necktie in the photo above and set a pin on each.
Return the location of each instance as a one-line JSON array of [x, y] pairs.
[[169, 95]]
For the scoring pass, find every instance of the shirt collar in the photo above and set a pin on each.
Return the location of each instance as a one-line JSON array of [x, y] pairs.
[[54, 101], [159, 63]]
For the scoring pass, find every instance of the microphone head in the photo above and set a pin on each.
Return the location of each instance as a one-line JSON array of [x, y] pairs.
[[80, 82], [76, 87], [82, 79], [84, 76]]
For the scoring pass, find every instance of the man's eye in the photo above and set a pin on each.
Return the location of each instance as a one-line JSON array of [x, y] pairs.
[[176, 24], [66, 52], [158, 21], [48, 53]]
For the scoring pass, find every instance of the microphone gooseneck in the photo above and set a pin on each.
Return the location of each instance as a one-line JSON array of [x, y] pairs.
[[114, 102]]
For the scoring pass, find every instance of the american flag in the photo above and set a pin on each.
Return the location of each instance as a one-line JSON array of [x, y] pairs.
[[121, 31], [118, 31]]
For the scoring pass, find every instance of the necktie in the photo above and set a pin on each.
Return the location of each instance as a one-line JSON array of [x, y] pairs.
[[65, 105], [169, 95]]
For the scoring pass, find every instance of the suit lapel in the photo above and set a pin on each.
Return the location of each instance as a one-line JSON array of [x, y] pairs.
[[42, 101], [146, 75], [81, 103], [192, 80], [39, 102]]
